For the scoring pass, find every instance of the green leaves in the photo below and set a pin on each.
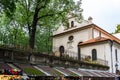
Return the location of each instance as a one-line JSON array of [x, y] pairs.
[[8, 7], [33, 21], [117, 29]]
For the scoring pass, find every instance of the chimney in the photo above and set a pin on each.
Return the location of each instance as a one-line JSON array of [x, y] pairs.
[[90, 19]]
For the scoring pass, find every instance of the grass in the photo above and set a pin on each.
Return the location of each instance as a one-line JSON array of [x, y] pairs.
[[73, 74], [32, 71], [58, 73]]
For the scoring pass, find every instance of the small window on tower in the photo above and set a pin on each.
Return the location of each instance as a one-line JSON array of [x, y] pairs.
[[72, 23]]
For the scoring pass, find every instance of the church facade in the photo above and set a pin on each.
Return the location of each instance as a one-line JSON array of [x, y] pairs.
[[85, 39]]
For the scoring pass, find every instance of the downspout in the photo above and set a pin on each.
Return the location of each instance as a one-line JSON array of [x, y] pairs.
[[111, 45]]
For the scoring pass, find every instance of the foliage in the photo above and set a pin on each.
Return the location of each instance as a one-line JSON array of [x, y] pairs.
[[33, 71], [44, 39], [12, 33], [117, 29], [30, 23], [8, 6]]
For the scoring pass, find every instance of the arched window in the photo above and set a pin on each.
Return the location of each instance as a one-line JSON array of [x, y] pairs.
[[61, 50], [94, 54], [72, 23]]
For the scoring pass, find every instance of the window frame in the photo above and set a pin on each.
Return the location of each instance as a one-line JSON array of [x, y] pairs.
[[94, 54]]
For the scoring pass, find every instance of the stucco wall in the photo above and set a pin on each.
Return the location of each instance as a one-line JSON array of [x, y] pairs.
[[103, 50], [104, 53], [96, 33], [80, 36], [100, 48], [116, 47]]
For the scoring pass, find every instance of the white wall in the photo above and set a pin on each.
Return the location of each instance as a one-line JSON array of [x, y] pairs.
[[96, 33], [112, 58], [62, 29], [104, 53], [80, 36], [116, 46], [108, 56], [101, 50], [117, 35]]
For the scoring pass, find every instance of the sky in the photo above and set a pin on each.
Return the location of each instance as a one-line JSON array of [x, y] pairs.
[[105, 13]]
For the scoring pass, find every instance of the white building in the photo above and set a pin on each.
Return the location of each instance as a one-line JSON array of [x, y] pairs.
[[86, 39], [117, 35]]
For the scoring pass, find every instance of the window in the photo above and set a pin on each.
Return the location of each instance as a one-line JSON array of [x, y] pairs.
[[116, 55], [61, 50], [72, 23], [70, 38], [70, 41], [94, 54]]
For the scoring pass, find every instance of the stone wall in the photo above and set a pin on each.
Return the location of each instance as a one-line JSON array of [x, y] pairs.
[[13, 55]]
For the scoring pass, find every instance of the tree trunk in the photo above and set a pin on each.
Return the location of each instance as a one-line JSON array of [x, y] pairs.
[[32, 39], [32, 29], [32, 32]]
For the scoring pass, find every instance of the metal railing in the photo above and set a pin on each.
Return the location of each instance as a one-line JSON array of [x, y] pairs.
[[84, 57]]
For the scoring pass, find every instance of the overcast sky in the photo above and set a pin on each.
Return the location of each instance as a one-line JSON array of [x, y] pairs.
[[105, 13]]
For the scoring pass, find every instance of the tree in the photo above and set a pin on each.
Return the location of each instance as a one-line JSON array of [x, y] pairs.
[[32, 14], [12, 33], [117, 29], [46, 9], [8, 6]]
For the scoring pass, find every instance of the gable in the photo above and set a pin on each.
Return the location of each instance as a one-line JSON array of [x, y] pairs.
[[100, 35], [73, 30], [96, 30], [73, 25], [106, 34]]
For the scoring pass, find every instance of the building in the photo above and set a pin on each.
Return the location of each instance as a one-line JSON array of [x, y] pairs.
[[85, 40]]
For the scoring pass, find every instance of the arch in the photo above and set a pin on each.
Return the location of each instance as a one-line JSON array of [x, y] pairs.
[[80, 42], [94, 54], [61, 50]]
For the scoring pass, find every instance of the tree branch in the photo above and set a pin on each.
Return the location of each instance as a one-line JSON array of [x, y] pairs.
[[47, 15], [43, 6]]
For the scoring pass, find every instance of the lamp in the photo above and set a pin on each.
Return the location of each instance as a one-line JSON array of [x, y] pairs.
[[116, 66]]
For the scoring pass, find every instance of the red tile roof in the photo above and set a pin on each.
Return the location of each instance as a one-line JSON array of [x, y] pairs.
[[95, 40]]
